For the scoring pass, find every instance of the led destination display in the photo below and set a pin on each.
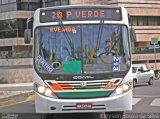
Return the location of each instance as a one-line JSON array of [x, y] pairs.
[[80, 14]]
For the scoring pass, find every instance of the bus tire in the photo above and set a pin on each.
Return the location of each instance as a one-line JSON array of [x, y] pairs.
[[43, 116], [50, 116], [114, 115], [46, 116]]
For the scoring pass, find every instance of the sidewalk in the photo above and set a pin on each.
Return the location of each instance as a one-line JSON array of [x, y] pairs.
[[16, 87], [15, 93]]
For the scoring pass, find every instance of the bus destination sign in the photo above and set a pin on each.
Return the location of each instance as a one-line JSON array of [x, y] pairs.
[[79, 14]]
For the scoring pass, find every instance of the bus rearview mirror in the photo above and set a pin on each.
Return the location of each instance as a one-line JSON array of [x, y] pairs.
[[27, 36]]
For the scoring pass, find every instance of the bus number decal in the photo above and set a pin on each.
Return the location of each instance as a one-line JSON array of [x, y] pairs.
[[116, 63], [44, 63]]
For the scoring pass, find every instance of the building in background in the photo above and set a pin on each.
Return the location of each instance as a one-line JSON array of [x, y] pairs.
[[77, 2], [16, 57], [145, 19]]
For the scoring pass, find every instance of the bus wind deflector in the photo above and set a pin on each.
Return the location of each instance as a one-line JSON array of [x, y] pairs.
[[28, 31], [131, 29]]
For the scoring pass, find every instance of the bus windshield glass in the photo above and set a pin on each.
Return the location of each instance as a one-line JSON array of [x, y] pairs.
[[82, 49]]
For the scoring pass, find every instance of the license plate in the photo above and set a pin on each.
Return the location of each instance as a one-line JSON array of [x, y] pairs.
[[83, 105]]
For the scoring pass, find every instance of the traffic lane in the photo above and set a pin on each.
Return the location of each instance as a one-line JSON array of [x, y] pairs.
[[79, 116], [22, 107], [20, 116], [26, 110], [56, 116], [53, 116], [147, 90], [147, 94], [142, 106], [146, 105]]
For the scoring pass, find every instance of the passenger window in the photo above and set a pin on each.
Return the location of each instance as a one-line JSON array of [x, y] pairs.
[[145, 68], [140, 69]]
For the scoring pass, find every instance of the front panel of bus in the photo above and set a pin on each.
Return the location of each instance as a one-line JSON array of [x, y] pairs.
[[81, 65]]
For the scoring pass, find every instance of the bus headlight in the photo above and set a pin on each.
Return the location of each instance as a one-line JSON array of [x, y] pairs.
[[45, 91], [41, 89], [125, 87], [48, 92], [119, 90], [122, 88]]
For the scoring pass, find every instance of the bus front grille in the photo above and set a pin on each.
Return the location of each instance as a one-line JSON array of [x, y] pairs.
[[83, 89]]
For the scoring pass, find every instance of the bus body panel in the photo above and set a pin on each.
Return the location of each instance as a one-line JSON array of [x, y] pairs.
[[109, 104]]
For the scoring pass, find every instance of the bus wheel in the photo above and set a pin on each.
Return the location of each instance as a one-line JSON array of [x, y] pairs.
[[150, 81], [46, 116], [114, 115], [50, 116], [43, 116]]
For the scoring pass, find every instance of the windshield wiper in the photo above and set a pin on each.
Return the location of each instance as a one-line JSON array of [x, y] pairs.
[[99, 34], [116, 41], [72, 54], [99, 38]]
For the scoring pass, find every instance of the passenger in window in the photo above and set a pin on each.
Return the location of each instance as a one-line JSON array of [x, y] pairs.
[[140, 69]]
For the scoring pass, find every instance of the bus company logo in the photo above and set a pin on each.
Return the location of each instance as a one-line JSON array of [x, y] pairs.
[[83, 84], [83, 77]]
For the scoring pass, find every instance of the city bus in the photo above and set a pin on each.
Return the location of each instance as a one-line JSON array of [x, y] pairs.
[[81, 59]]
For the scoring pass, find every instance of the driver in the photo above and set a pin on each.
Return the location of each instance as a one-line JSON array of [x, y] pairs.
[[109, 49]]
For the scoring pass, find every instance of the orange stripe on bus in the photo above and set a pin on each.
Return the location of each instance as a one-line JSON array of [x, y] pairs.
[[61, 86]]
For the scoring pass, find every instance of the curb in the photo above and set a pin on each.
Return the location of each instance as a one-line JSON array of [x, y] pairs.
[[16, 87], [17, 99], [30, 98]]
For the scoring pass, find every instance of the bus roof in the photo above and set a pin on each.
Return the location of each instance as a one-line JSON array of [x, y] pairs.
[[82, 6]]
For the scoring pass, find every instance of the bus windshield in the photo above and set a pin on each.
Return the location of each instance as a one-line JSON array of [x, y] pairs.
[[81, 49]]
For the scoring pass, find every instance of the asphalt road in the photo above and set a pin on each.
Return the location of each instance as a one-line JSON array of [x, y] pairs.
[[146, 100]]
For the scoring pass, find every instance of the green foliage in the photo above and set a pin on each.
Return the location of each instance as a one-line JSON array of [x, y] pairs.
[[145, 50]]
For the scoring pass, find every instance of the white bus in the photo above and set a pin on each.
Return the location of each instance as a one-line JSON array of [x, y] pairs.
[[82, 59]]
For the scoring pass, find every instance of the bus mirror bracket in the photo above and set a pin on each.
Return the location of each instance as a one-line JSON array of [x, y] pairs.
[[28, 31], [27, 36], [132, 34]]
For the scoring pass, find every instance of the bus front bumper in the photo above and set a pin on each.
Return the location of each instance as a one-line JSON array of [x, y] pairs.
[[121, 102]]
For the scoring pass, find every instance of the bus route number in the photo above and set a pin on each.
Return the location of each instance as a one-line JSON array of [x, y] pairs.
[[57, 14]]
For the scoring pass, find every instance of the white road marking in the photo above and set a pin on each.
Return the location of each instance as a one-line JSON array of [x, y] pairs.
[[135, 100], [146, 96], [155, 102]]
